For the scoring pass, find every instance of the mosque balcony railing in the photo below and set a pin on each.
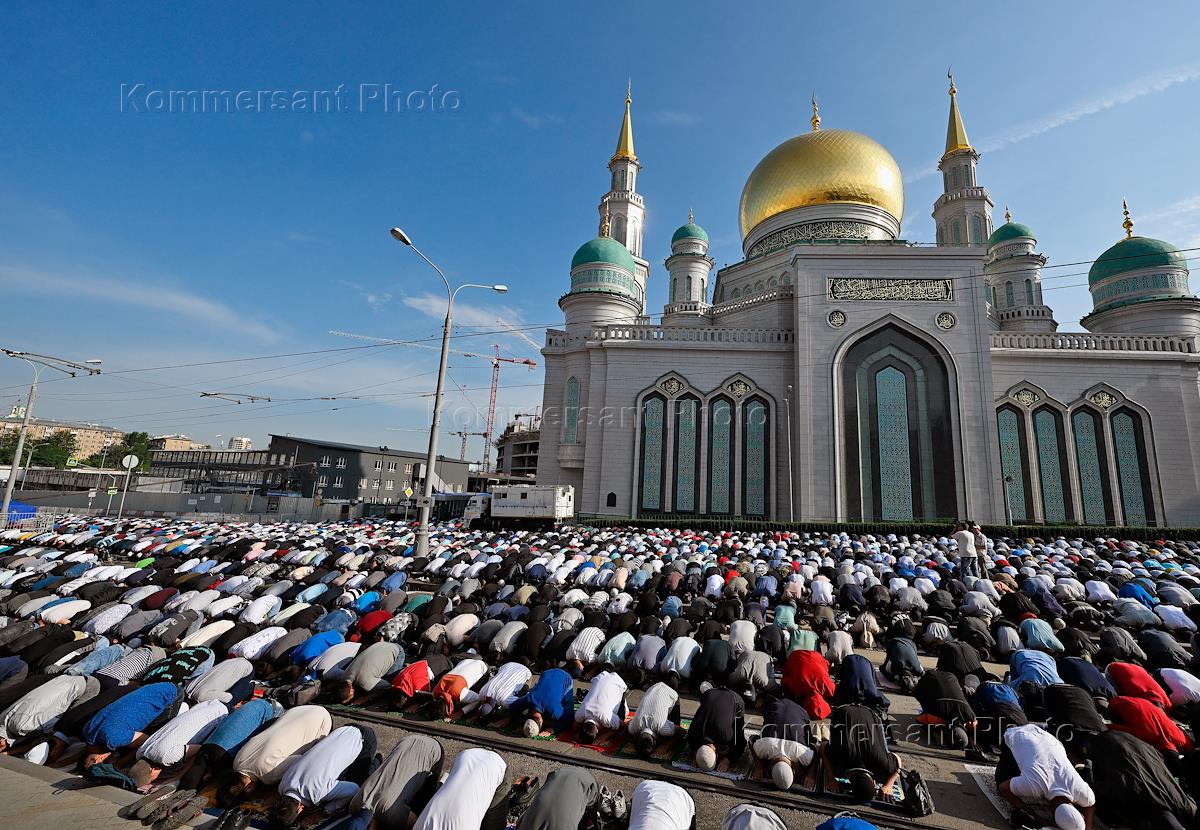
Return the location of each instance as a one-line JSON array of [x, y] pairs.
[[776, 293], [1086, 342], [691, 334]]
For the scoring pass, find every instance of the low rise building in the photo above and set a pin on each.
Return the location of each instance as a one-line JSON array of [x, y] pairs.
[[89, 438]]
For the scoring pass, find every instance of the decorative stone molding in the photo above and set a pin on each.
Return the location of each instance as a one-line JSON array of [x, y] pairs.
[[1027, 397], [945, 321], [836, 319], [809, 232], [739, 388], [880, 288], [672, 386], [1103, 399]]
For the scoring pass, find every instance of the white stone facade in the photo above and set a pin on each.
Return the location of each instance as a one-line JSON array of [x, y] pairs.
[[842, 379]]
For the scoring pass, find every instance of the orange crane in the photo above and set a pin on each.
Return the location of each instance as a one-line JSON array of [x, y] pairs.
[[496, 360]]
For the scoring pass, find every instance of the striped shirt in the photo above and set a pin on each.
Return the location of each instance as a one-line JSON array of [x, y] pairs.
[[133, 664]]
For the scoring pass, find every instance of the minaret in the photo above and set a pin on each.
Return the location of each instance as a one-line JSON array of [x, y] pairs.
[[963, 213], [1012, 272], [623, 204], [689, 267]]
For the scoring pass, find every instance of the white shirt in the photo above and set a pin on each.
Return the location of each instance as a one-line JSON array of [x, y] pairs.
[[167, 746], [258, 611], [1043, 762], [463, 800], [254, 646], [586, 645], [503, 687], [965, 540], [1182, 687], [605, 701], [654, 711], [1172, 616], [313, 779], [679, 657], [657, 805]]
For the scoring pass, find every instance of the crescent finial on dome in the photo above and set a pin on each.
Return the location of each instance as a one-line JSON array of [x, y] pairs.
[[816, 116], [1128, 223]]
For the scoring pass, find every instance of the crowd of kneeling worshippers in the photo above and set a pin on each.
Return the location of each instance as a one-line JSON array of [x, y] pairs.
[[195, 662]]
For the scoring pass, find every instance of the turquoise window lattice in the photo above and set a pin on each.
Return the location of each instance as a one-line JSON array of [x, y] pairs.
[[1012, 458], [895, 461], [1028, 292], [653, 434], [720, 464], [754, 435], [1088, 454], [1130, 470], [977, 230], [687, 430], [1047, 430], [571, 412], [1008, 295]]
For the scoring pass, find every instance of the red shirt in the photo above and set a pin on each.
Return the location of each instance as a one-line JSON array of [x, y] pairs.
[[1144, 720], [806, 679], [369, 623], [1133, 681]]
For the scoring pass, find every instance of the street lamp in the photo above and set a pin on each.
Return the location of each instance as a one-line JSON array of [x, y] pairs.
[[37, 362], [431, 457]]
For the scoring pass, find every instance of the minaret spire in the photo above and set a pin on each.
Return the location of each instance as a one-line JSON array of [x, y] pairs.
[[956, 133], [1007, 214], [1128, 223], [625, 138], [605, 222], [816, 116]]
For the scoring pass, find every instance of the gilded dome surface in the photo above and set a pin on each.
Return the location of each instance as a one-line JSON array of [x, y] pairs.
[[822, 167]]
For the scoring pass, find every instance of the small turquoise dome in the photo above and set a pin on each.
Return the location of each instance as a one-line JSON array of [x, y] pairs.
[[1134, 253], [1009, 231], [606, 250], [690, 231]]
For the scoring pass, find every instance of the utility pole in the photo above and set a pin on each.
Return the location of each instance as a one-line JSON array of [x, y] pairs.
[[37, 362]]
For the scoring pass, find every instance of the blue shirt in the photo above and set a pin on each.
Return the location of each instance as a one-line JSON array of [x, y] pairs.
[[315, 646], [114, 726], [241, 724], [553, 696]]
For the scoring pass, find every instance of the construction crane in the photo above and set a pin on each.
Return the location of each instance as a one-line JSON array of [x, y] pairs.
[[462, 450], [496, 360]]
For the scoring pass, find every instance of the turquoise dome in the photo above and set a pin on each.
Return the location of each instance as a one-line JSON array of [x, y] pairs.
[[690, 231], [1009, 231], [1134, 253], [606, 250]]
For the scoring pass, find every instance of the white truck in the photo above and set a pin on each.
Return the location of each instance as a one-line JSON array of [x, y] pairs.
[[521, 505]]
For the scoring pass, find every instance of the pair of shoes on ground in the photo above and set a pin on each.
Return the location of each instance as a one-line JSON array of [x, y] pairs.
[[520, 795], [613, 806], [168, 809], [234, 818]]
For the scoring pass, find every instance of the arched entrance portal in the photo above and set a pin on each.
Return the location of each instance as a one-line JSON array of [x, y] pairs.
[[898, 441]]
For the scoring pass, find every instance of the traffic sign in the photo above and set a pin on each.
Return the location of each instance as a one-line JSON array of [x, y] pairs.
[[408, 492], [112, 491], [91, 494], [72, 462], [130, 461]]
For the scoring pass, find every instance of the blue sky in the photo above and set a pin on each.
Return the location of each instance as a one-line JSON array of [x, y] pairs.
[[159, 238]]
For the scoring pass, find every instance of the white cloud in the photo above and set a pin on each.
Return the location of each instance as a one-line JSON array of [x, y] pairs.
[[674, 118], [532, 121], [377, 300], [135, 292], [489, 318], [1115, 97], [1178, 222]]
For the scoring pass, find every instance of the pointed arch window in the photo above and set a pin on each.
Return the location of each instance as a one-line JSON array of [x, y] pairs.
[[687, 454], [654, 430], [956, 227], [756, 439], [1052, 465], [571, 412], [897, 427], [991, 294], [1133, 474], [720, 456], [977, 230], [1028, 292], [1095, 495], [956, 176], [618, 229], [1009, 298], [1014, 462]]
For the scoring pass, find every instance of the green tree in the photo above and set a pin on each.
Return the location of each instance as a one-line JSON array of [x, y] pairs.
[[8, 445], [137, 443], [54, 449]]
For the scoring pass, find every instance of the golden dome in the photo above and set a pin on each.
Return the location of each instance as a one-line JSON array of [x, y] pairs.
[[822, 167]]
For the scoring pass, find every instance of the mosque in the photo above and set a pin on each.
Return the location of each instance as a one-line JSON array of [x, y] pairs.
[[840, 373]]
